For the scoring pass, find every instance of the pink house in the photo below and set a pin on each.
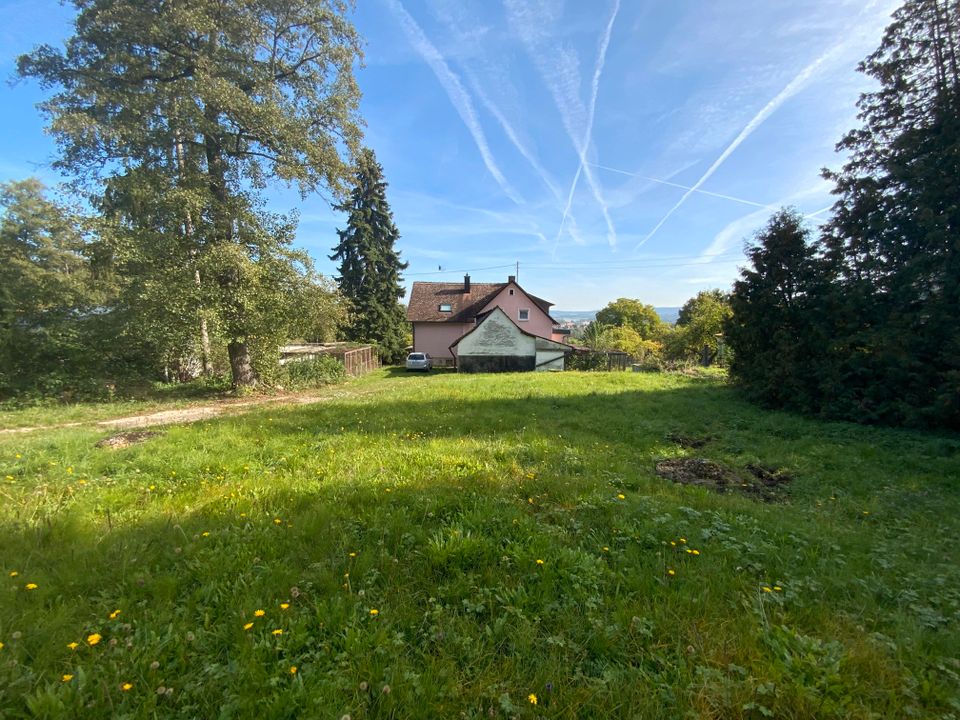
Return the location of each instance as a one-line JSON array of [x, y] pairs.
[[442, 313]]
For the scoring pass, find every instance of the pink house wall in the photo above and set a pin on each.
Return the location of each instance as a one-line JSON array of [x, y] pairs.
[[435, 338], [539, 322]]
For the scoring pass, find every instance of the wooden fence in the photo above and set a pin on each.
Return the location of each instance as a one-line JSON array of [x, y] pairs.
[[586, 359], [357, 360]]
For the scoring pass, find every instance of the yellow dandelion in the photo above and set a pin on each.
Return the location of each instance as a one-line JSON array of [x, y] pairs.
[[127, 687], [94, 639], [374, 612], [621, 496], [671, 572], [206, 534], [532, 698], [113, 615], [683, 540], [67, 678], [31, 586], [259, 613], [695, 552], [10, 478], [248, 626], [278, 631], [284, 606], [766, 589], [688, 551], [674, 544], [606, 549], [73, 645], [293, 669], [777, 588], [277, 521], [13, 573], [866, 512], [18, 456], [1, 646], [353, 554], [539, 562]]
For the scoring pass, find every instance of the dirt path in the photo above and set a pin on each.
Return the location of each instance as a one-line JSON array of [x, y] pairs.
[[184, 415]]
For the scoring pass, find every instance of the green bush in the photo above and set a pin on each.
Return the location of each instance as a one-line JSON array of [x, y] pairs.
[[313, 372]]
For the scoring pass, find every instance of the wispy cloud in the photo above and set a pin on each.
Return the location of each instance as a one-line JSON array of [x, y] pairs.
[[682, 187], [792, 88], [458, 95], [559, 68]]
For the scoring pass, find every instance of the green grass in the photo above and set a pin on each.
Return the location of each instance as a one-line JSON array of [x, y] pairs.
[[431, 499]]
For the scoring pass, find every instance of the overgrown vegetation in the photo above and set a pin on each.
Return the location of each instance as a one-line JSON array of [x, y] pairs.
[[460, 546]]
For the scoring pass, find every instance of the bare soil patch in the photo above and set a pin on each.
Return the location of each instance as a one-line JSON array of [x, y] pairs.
[[122, 440], [763, 483]]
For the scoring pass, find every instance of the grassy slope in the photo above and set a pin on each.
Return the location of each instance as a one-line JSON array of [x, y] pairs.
[[431, 500]]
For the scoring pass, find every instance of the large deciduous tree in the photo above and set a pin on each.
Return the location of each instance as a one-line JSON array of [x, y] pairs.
[[370, 265], [220, 98], [633, 314]]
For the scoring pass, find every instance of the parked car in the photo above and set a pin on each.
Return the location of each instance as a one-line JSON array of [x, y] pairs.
[[419, 361]]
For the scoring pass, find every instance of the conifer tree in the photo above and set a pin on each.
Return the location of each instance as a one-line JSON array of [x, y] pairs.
[[369, 273]]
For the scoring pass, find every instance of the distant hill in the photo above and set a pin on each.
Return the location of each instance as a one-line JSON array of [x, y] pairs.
[[667, 314]]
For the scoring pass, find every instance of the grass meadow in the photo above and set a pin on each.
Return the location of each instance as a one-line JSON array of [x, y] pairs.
[[486, 546]]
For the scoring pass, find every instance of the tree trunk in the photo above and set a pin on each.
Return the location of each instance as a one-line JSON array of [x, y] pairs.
[[240, 365]]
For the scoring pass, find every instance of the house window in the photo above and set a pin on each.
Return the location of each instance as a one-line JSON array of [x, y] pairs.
[[446, 307], [511, 291], [524, 315]]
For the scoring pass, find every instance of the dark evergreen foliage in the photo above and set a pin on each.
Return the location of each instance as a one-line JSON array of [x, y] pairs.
[[370, 266], [877, 337]]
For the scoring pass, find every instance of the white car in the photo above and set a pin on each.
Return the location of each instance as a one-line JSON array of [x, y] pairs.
[[419, 361]]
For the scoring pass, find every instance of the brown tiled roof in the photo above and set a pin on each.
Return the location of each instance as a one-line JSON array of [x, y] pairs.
[[427, 297]]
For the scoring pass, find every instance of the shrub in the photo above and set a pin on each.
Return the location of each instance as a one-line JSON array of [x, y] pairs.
[[313, 372]]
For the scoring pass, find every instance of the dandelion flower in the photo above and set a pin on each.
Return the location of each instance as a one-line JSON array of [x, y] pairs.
[[127, 687], [671, 572], [206, 534], [777, 588], [621, 496], [766, 589], [293, 669], [1, 646], [353, 554], [674, 544], [67, 678], [606, 549], [539, 562], [374, 612], [259, 613], [94, 639], [284, 606], [73, 645], [13, 573], [31, 586], [278, 631], [113, 615], [248, 626], [532, 698], [695, 552], [277, 521], [683, 540]]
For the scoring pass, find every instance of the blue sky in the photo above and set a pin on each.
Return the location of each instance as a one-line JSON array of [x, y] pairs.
[[612, 148]]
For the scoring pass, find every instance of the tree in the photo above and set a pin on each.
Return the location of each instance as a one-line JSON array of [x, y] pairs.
[[892, 242], [700, 321], [772, 329], [635, 315], [49, 300], [370, 266], [220, 97]]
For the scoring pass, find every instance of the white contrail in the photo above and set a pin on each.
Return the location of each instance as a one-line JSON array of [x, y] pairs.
[[562, 78], [459, 97], [682, 187], [792, 88]]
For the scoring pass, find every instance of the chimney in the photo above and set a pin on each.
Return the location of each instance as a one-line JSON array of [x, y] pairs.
[[511, 278], [466, 284]]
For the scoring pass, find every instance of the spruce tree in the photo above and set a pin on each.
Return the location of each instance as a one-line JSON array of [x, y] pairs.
[[369, 273]]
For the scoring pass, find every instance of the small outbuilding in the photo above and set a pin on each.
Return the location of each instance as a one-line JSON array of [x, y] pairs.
[[497, 344]]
